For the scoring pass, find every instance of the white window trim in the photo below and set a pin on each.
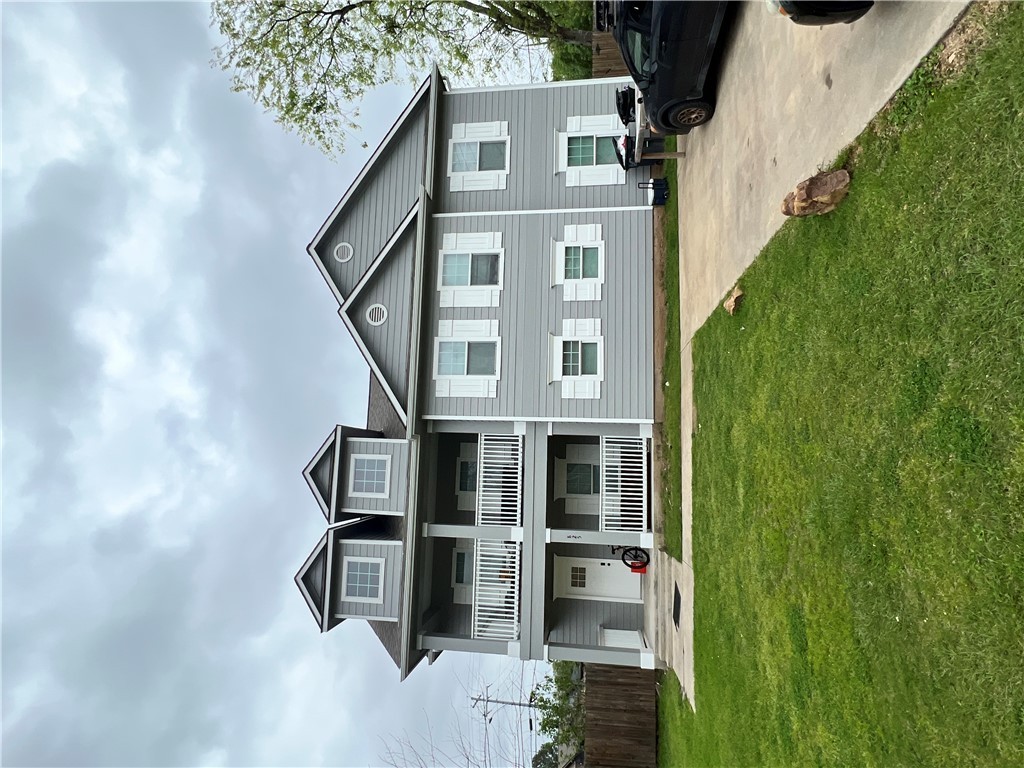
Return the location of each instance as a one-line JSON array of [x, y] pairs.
[[344, 580], [466, 376], [592, 494], [352, 475], [588, 125], [471, 295], [582, 289], [572, 332], [474, 181]]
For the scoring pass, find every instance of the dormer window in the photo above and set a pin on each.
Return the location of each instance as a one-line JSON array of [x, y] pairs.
[[368, 476]]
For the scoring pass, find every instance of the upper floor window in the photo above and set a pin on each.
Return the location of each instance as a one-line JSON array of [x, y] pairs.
[[470, 272], [479, 156], [578, 263], [467, 358], [368, 476], [585, 151], [577, 359]]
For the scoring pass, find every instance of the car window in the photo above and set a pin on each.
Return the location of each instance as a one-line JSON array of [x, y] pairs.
[[638, 47]]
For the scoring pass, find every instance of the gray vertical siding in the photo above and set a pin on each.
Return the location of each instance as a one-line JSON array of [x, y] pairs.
[[390, 285], [392, 555], [531, 308], [398, 479], [384, 197], [533, 115], [579, 621]]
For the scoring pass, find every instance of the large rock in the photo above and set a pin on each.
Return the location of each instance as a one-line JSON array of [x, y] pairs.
[[817, 195]]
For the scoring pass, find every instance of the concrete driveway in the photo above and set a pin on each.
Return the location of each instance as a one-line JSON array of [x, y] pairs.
[[789, 99]]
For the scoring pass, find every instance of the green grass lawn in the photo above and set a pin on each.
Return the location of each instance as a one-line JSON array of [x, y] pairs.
[[859, 461]]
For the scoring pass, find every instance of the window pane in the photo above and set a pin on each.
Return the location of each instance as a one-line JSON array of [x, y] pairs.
[[455, 269], [570, 358], [482, 358], [578, 577], [597, 479], [579, 478], [606, 151], [485, 269], [464, 156], [589, 361], [362, 579], [590, 263], [460, 568], [467, 475], [451, 358], [370, 476], [573, 262], [492, 156], [581, 151]]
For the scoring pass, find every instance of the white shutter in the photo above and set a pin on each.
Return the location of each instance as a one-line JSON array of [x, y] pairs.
[[573, 124], [583, 327], [568, 327], [571, 233], [448, 241], [600, 124], [444, 328], [459, 131], [561, 151], [470, 297], [555, 357], [477, 241], [582, 290], [474, 329], [583, 389], [466, 388], [484, 130], [572, 178], [598, 175], [557, 262], [589, 233], [455, 181], [568, 389], [480, 181]]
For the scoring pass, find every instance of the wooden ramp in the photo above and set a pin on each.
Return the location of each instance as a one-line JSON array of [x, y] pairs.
[[622, 725]]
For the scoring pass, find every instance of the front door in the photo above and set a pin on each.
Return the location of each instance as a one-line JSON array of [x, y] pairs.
[[590, 578]]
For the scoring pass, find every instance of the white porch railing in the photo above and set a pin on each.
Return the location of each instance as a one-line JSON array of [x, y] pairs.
[[496, 590], [624, 484], [499, 480]]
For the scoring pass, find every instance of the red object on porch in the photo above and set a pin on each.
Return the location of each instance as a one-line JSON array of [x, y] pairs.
[[638, 567]]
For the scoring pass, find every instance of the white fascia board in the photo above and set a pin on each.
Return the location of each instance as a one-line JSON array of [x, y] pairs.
[[542, 211], [545, 419], [334, 475], [424, 88], [373, 365], [416, 322], [328, 566], [409, 552], [383, 255], [619, 80], [307, 473]]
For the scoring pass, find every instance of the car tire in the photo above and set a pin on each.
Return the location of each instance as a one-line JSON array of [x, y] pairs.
[[688, 114]]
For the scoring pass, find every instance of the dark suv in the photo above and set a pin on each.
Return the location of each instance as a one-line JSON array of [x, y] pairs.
[[668, 48]]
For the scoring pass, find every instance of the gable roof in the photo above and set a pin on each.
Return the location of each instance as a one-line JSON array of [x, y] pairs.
[[311, 579], [320, 475]]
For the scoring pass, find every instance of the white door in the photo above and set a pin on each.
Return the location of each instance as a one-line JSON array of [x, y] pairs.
[[622, 638], [589, 578]]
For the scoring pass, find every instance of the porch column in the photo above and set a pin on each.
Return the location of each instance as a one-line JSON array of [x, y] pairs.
[[535, 477], [611, 538]]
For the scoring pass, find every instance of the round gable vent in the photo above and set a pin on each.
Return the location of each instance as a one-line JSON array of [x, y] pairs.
[[344, 252], [376, 314]]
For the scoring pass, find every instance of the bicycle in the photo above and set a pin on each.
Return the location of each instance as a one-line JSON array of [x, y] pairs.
[[633, 557]]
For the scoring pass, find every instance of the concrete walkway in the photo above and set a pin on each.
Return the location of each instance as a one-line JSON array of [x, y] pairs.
[[790, 98]]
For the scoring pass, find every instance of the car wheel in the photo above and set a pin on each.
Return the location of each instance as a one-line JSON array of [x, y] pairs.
[[688, 114]]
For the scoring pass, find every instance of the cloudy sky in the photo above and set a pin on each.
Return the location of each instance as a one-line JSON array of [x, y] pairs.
[[171, 359]]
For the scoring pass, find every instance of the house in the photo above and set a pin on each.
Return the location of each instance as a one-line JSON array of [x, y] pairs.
[[493, 263]]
